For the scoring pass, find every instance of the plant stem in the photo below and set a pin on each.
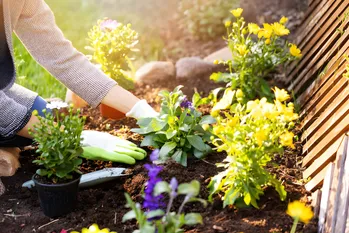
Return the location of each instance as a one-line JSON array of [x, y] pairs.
[[169, 205], [294, 227], [186, 199]]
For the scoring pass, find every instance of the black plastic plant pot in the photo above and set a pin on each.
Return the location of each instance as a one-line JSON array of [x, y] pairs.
[[57, 199]]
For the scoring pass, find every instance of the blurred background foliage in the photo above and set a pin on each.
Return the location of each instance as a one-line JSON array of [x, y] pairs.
[[150, 18]]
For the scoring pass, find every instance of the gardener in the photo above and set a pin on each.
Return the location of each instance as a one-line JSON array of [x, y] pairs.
[[34, 24]]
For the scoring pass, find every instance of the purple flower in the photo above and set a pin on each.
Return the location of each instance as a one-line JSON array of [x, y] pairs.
[[174, 186], [186, 103], [152, 202], [109, 25], [154, 155]]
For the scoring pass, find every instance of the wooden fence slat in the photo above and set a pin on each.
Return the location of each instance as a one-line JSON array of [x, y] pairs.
[[308, 19], [339, 104], [331, 214], [322, 85], [341, 128], [313, 111], [325, 196], [327, 34], [326, 157], [327, 121], [317, 180], [315, 202], [319, 60], [343, 195]]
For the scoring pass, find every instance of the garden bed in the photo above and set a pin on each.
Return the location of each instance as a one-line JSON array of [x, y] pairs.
[[105, 204]]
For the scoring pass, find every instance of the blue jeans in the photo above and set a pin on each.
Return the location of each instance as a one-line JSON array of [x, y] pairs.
[[18, 141]]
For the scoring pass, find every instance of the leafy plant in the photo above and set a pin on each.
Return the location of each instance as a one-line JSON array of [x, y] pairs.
[[204, 18], [178, 130], [251, 134], [256, 52], [112, 44], [155, 219], [59, 142]]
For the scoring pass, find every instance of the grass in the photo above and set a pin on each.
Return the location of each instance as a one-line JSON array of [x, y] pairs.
[[75, 25]]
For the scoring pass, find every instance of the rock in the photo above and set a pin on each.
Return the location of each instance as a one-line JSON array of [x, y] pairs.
[[190, 67], [222, 54], [155, 71], [9, 162]]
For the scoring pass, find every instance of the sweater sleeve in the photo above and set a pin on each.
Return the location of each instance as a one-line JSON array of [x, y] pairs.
[[38, 31], [13, 116]]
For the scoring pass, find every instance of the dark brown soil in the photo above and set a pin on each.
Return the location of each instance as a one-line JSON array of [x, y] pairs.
[[105, 204]]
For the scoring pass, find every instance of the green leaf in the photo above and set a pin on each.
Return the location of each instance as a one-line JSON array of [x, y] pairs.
[[129, 215], [247, 198], [149, 140], [170, 134], [193, 219], [157, 124], [166, 149], [177, 156], [196, 99], [161, 187], [208, 119], [226, 100], [192, 188], [155, 213], [197, 142], [41, 172]]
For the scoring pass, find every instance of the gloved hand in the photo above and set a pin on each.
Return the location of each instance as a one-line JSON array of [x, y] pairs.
[[104, 146], [141, 110]]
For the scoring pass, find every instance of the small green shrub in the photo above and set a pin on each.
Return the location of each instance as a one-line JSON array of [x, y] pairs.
[[205, 19], [178, 130], [59, 142]]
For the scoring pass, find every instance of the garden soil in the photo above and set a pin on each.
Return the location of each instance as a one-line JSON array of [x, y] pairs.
[[105, 204]]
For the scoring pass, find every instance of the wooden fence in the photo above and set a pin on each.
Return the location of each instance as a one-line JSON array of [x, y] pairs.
[[323, 95]]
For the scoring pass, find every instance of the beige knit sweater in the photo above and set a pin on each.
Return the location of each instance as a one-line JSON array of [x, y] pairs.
[[34, 24]]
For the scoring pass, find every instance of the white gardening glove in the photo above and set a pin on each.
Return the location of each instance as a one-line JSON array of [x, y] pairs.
[[142, 110], [108, 142]]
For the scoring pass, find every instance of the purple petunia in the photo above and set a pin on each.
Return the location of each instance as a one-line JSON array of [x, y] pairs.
[[152, 202], [154, 155], [186, 104], [109, 25]]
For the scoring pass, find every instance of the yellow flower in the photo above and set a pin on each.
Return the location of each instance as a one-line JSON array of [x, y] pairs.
[[253, 28], [260, 137], [266, 31], [35, 113], [296, 52], [300, 211], [242, 49], [286, 139], [216, 62], [233, 121], [267, 41], [94, 229], [237, 12], [283, 20], [251, 105], [281, 94], [244, 31], [227, 23], [280, 29]]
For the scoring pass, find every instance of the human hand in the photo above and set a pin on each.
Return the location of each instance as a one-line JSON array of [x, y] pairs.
[[104, 146], [142, 110]]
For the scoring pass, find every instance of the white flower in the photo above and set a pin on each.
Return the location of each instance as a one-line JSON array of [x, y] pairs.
[[56, 105]]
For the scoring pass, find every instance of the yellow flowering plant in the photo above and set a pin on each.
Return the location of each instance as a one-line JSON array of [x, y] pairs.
[[112, 45], [251, 134], [256, 52]]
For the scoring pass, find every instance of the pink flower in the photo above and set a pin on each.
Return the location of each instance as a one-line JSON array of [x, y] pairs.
[[64, 231], [109, 25]]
